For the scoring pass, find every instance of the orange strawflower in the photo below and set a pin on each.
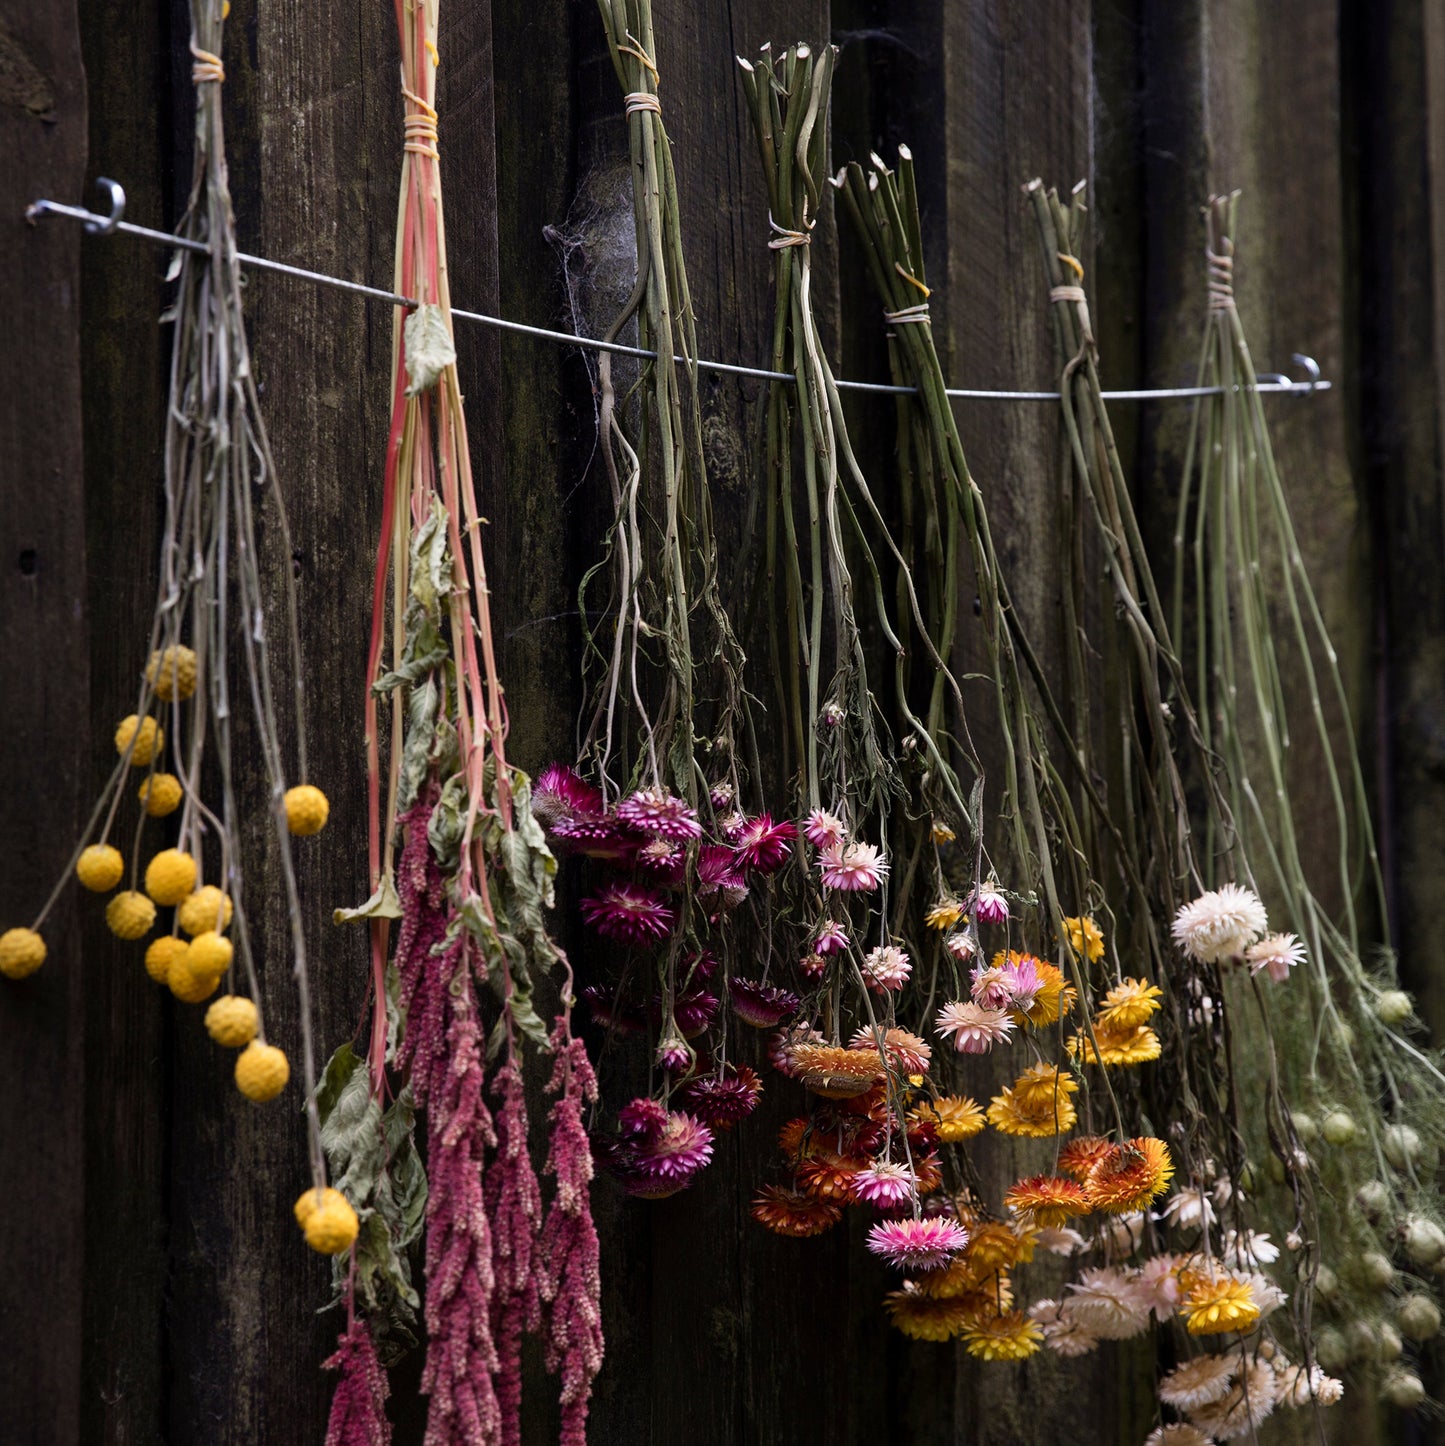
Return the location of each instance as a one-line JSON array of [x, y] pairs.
[[1048, 1199], [827, 1176], [834, 1072], [792, 1212], [1130, 1176], [1080, 1156]]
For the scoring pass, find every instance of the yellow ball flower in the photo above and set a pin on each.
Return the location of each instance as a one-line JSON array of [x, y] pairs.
[[231, 1021], [22, 952], [207, 908], [332, 1226], [160, 794], [172, 673], [188, 983], [261, 1071], [148, 744], [99, 868], [170, 876], [210, 953], [312, 1200], [306, 810], [161, 957], [130, 915]]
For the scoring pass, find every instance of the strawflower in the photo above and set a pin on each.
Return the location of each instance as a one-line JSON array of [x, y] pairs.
[[722, 1100], [1121, 1048], [1063, 1335], [558, 793], [1129, 1004], [762, 1005], [1085, 938], [1276, 954], [956, 1118], [1080, 1155], [926, 1317], [971, 1029], [988, 906], [1011, 1337], [903, 1050], [1220, 924], [1022, 983], [944, 914], [1130, 1176], [1241, 1410], [1008, 1114], [629, 914], [834, 1072], [823, 830], [1199, 1382], [853, 867], [1217, 1304], [961, 946], [1047, 1199], [886, 968], [831, 938], [1040, 1085], [1107, 1302], [922, 1244], [1054, 998], [654, 810], [884, 1182], [765, 846], [794, 1213]]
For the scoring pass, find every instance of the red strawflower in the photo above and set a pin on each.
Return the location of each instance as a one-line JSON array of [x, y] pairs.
[[793, 1213], [628, 913], [722, 1100]]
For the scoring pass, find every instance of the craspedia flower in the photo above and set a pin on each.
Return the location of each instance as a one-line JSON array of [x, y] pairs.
[[987, 905], [764, 1006], [332, 1226], [1122, 1048], [210, 953], [925, 1317], [836, 1073], [1276, 954], [1085, 938], [924, 1244], [722, 1100], [855, 867], [231, 1021], [1047, 1199], [207, 908], [944, 914], [765, 846], [886, 968], [972, 1029], [1080, 1155], [904, 1051], [794, 1213], [306, 810], [956, 1118], [99, 868], [261, 1071], [1216, 1304], [189, 982], [161, 955], [172, 673], [654, 810], [170, 877], [823, 830], [1219, 924], [1130, 1176], [1010, 1115], [129, 915], [1199, 1382], [22, 952], [311, 1200], [629, 914], [160, 794], [1128, 1005], [149, 740], [1010, 1337], [884, 1182]]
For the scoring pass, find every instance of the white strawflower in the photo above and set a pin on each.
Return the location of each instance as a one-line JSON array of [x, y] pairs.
[[1198, 1383], [1177, 1433], [1220, 924], [1108, 1304], [1188, 1209], [1060, 1239], [1300, 1385], [1277, 954], [1239, 1413], [1063, 1335], [1122, 1233], [1247, 1248]]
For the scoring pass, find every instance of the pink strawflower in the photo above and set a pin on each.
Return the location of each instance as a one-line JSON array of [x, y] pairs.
[[673, 1055], [924, 1244], [854, 866], [812, 967], [719, 877], [722, 1100], [761, 1005], [1021, 980], [886, 967], [663, 860], [731, 825], [568, 1278], [960, 944], [972, 1029], [904, 1050], [884, 1183], [559, 794], [663, 1159], [594, 838], [358, 1409], [823, 830], [988, 906], [990, 989], [763, 845], [643, 1117], [831, 937], [654, 810], [1277, 954], [694, 1009], [628, 913], [780, 1045]]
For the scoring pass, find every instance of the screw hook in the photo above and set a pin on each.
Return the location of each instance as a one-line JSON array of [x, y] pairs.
[[117, 208], [1311, 366]]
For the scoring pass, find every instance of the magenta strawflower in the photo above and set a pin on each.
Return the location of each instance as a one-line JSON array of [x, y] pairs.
[[594, 838], [718, 876], [885, 968], [722, 1100], [673, 1054], [972, 1029], [925, 1244], [721, 795], [761, 1005], [831, 937], [654, 810], [763, 845], [602, 1001], [628, 913], [988, 906], [884, 1183], [358, 1409], [854, 866], [781, 1043], [662, 860], [659, 1151], [823, 830], [642, 1117], [694, 1009], [558, 793]]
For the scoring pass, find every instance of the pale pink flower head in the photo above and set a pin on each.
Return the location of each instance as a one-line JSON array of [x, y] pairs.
[[1158, 1285], [884, 1183], [761, 1005], [831, 937], [960, 944], [1063, 1335], [722, 1100], [1276, 954], [765, 846], [559, 794], [1021, 980], [628, 913], [925, 1244], [1220, 924], [971, 1028], [1108, 1303], [989, 990], [822, 829], [886, 968], [988, 906], [905, 1050], [654, 810], [812, 967], [854, 866]]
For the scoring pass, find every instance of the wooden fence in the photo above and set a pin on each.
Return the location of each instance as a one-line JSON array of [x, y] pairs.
[[152, 1286]]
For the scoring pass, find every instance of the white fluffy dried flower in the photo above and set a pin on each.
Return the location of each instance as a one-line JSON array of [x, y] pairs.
[[1198, 1383], [1220, 924], [1300, 1385], [1108, 1304], [1239, 1413]]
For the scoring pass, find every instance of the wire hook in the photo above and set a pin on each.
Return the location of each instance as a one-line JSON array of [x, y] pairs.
[[117, 208], [1311, 366]]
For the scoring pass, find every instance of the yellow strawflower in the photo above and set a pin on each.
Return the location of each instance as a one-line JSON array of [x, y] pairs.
[[1124, 1047], [160, 794], [22, 952], [261, 1071], [1215, 1306], [99, 868], [148, 744], [1011, 1337], [207, 908], [941, 832], [1085, 938], [231, 1021], [130, 915], [1129, 1004], [306, 810], [944, 914], [331, 1227], [170, 877], [162, 955], [172, 673], [954, 1117]]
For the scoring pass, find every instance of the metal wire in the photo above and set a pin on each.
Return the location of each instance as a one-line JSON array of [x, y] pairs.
[[107, 225]]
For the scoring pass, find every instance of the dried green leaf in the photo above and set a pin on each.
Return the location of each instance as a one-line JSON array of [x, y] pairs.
[[428, 347], [383, 904]]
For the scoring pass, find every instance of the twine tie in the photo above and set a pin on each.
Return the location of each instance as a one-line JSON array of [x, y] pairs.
[[207, 69], [783, 238], [1221, 280]]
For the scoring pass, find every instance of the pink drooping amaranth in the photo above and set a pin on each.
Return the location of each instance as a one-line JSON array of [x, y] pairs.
[[924, 1244], [654, 810], [569, 1279], [824, 830], [765, 846], [560, 794], [831, 938], [358, 1408], [628, 913], [721, 1100], [886, 968], [422, 891], [971, 1028], [761, 1005], [854, 866], [514, 1202], [988, 906]]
